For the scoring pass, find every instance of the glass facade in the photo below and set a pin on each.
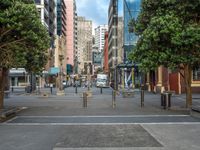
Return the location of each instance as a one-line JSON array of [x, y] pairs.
[[59, 18], [131, 10]]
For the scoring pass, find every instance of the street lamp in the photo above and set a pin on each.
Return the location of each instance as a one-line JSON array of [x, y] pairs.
[[115, 72], [61, 57]]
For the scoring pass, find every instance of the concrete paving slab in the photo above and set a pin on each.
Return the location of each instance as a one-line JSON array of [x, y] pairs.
[[104, 119], [176, 137], [107, 136]]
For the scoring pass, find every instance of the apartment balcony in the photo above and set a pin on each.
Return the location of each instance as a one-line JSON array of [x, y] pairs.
[[52, 4], [52, 16], [46, 2], [38, 2], [46, 12], [45, 24]]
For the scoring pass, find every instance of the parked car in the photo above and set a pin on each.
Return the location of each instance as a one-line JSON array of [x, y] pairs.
[[64, 84], [77, 83]]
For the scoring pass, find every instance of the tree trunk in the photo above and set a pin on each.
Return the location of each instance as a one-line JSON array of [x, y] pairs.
[[3, 73], [188, 74]]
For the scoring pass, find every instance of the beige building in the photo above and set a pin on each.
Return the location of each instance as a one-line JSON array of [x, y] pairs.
[[84, 42], [120, 40], [59, 61]]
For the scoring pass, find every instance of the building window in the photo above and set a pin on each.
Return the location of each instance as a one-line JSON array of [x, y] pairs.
[[38, 1], [196, 74]]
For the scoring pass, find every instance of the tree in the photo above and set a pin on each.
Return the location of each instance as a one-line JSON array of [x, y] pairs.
[[169, 35], [24, 41]]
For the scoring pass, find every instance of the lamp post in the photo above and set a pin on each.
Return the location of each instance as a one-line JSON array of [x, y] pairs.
[[88, 75], [61, 57]]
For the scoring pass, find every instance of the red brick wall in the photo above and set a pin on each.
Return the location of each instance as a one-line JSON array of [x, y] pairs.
[[174, 82]]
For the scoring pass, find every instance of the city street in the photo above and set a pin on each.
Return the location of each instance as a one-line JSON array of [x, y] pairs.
[[99, 75], [61, 122]]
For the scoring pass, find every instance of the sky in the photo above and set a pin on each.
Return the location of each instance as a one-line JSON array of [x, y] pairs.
[[95, 10]]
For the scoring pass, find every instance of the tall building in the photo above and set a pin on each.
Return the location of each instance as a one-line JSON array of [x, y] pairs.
[[60, 42], [105, 54], [70, 34], [131, 11], [112, 33], [99, 36], [84, 42], [61, 17], [120, 38], [47, 12], [43, 9]]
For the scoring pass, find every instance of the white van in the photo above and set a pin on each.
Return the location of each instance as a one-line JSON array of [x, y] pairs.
[[102, 80]]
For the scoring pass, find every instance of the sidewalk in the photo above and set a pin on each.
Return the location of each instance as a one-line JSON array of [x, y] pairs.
[[99, 104], [61, 123]]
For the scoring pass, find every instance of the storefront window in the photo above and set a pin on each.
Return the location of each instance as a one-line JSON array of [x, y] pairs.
[[196, 74]]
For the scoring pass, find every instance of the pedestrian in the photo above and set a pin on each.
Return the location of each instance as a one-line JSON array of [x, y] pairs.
[[129, 83]]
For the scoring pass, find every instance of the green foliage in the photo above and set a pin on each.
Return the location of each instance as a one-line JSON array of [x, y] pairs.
[[169, 34], [23, 39]]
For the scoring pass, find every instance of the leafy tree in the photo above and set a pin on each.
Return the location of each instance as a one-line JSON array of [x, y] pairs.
[[169, 35], [23, 39]]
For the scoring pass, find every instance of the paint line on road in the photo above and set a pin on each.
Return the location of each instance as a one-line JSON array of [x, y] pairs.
[[10, 119], [114, 116], [110, 148], [88, 124]]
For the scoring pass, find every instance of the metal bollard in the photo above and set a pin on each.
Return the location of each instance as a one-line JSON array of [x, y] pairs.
[[84, 99], [142, 98], [113, 98], [101, 90], [51, 90], [76, 91]]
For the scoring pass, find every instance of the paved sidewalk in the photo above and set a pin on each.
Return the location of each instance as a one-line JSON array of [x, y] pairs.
[[99, 104], [61, 123]]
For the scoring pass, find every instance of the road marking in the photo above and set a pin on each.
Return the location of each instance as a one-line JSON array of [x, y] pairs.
[[110, 148], [115, 116], [103, 124], [11, 119]]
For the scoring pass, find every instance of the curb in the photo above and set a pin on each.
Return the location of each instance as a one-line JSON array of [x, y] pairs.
[[9, 113], [195, 112]]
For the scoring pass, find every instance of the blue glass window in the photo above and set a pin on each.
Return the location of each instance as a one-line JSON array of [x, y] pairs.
[[131, 10]]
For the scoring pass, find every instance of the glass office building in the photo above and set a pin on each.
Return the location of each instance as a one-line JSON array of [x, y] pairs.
[[131, 10]]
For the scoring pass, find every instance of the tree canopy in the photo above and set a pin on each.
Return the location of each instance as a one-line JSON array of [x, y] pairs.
[[169, 33], [24, 41]]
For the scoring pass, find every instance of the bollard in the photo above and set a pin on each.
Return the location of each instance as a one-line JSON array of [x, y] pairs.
[[142, 98], [76, 91], [113, 98], [165, 100], [51, 90], [101, 90], [12, 89], [84, 99]]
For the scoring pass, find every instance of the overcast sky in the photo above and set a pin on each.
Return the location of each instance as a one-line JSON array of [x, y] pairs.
[[96, 10]]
